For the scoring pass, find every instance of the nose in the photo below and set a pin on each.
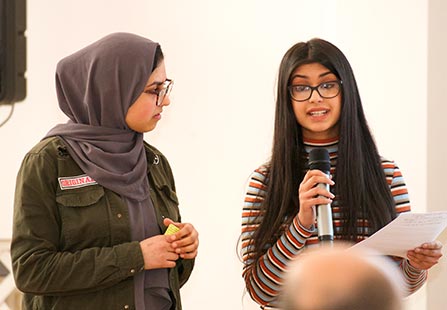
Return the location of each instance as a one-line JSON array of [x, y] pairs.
[[166, 101], [315, 96]]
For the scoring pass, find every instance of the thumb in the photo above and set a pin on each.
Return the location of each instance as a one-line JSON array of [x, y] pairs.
[[167, 221]]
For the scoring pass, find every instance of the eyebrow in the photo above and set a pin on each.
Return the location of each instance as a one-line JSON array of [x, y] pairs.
[[306, 77], [154, 83]]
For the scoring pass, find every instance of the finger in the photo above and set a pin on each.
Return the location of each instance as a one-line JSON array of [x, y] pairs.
[[167, 221], [186, 229], [315, 172], [190, 255], [186, 241], [187, 244], [319, 191], [311, 203], [423, 259], [435, 245], [169, 264], [190, 247], [312, 177], [436, 254], [171, 256], [323, 178], [414, 261], [314, 192], [308, 175], [313, 180], [419, 262]]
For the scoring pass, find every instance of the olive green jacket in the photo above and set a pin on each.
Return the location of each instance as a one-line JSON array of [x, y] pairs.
[[71, 246]]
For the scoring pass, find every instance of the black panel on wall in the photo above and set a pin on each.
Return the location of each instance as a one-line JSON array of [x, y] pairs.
[[12, 51]]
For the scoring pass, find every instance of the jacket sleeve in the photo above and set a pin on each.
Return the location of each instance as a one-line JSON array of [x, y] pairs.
[[39, 264], [184, 269], [265, 276]]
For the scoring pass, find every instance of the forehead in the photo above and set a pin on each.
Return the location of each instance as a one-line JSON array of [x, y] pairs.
[[312, 69], [158, 75]]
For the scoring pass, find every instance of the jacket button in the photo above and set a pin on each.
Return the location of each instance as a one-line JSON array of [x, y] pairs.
[[132, 270], [126, 307], [119, 215]]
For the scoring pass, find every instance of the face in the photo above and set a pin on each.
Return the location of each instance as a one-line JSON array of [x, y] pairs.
[[317, 116], [144, 114]]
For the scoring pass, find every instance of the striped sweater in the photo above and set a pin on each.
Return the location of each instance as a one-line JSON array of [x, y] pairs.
[[264, 278]]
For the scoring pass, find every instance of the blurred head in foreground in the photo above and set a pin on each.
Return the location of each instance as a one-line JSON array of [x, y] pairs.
[[335, 278]]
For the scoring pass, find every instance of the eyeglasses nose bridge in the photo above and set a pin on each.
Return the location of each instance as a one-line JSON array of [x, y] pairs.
[[312, 90]]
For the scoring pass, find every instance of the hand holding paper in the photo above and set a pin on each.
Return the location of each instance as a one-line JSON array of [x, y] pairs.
[[407, 232], [425, 256]]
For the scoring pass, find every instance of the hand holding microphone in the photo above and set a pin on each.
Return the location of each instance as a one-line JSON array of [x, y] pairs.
[[315, 197]]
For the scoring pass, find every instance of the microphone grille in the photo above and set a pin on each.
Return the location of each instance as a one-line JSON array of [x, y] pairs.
[[319, 159]]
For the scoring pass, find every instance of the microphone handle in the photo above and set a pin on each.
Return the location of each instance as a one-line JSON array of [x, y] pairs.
[[324, 219]]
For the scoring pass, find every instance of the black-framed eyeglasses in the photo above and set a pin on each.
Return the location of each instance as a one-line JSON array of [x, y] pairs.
[[163, 90], [327, 90]]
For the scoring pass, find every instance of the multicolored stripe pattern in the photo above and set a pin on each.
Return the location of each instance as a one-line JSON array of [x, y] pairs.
[[265, 277]]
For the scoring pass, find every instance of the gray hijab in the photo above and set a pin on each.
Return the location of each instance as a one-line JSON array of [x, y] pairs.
[[95, 88]]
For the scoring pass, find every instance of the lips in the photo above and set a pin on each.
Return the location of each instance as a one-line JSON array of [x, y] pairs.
[[317, 113]]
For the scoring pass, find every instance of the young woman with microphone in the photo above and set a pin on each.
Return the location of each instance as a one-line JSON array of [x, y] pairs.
[[318, 106]]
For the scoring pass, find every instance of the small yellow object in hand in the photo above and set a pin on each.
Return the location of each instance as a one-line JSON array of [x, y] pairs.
[[172, 229]]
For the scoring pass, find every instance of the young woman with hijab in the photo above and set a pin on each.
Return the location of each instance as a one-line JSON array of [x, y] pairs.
[[318, 106], [93, 199]]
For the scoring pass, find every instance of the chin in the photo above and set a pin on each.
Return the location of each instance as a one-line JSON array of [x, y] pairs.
[[149, 128]]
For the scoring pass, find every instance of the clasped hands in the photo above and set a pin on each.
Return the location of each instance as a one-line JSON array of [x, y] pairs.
[[162, 251]]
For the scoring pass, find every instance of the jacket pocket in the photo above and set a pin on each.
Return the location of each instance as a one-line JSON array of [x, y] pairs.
[[85, 217]]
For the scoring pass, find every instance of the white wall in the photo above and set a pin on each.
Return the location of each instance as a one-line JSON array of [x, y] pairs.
[[387, 47], [437, 151], [224, 57]]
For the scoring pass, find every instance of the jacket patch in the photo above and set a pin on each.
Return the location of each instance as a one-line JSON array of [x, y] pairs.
[[75, 182]]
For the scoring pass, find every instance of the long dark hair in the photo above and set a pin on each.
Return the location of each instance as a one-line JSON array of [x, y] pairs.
[[361, 187]]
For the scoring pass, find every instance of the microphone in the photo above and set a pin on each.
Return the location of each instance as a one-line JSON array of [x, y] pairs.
[[319, 159]]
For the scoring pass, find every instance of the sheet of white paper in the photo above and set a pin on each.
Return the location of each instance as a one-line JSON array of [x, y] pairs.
[[407, 231]]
